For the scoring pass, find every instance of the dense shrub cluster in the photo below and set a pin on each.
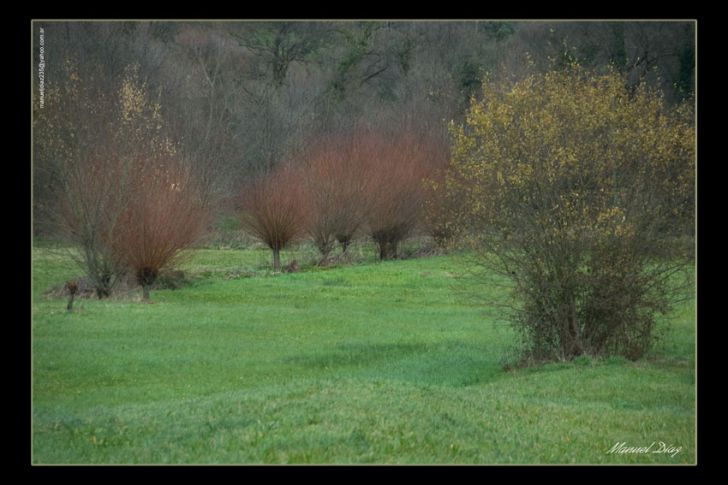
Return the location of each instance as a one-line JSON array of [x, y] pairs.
[[580, 191], [363, 182]]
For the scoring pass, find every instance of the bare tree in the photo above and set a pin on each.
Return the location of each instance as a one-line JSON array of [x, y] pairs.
[[79, 143], [397, 165], [273, 210], [279, 45], [165, 214], [334, 186], [203, 110]]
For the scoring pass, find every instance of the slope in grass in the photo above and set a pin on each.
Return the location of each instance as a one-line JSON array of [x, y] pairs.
[[375, 363]]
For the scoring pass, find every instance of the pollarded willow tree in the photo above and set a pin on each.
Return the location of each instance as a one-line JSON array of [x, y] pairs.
[[274, 209], [125, 199], [334, 186], [166, 205], [396, 166], [165, 214], [581, 192]]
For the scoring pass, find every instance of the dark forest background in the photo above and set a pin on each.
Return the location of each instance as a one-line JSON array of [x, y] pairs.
[[243, 97]]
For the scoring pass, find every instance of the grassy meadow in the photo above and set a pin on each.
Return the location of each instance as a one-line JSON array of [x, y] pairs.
[[395, 362]]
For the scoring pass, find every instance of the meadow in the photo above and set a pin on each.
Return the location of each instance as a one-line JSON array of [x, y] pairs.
[[395, 362]]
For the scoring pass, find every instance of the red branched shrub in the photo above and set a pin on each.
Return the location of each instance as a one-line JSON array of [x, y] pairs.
[[274, 210], [334, 186], [396, 167], [164, 215]]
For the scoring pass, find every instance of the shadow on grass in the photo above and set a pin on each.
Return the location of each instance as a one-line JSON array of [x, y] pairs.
[[455, 364], [355, 355]]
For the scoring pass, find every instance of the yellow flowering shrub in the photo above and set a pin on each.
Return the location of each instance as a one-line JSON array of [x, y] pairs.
[[580, 189]]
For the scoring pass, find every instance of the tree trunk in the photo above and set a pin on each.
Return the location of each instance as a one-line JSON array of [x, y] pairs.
[[571, 345], [72, 286], [382, 251], [325, 249], [575, 331], [103, 286], [146, 277], [387, 250], [276, 259]]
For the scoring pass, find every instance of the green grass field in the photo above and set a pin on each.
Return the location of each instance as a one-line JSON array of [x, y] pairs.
[[394, 362]]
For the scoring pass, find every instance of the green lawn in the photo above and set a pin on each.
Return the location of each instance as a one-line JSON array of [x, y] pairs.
[[393, 362]]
